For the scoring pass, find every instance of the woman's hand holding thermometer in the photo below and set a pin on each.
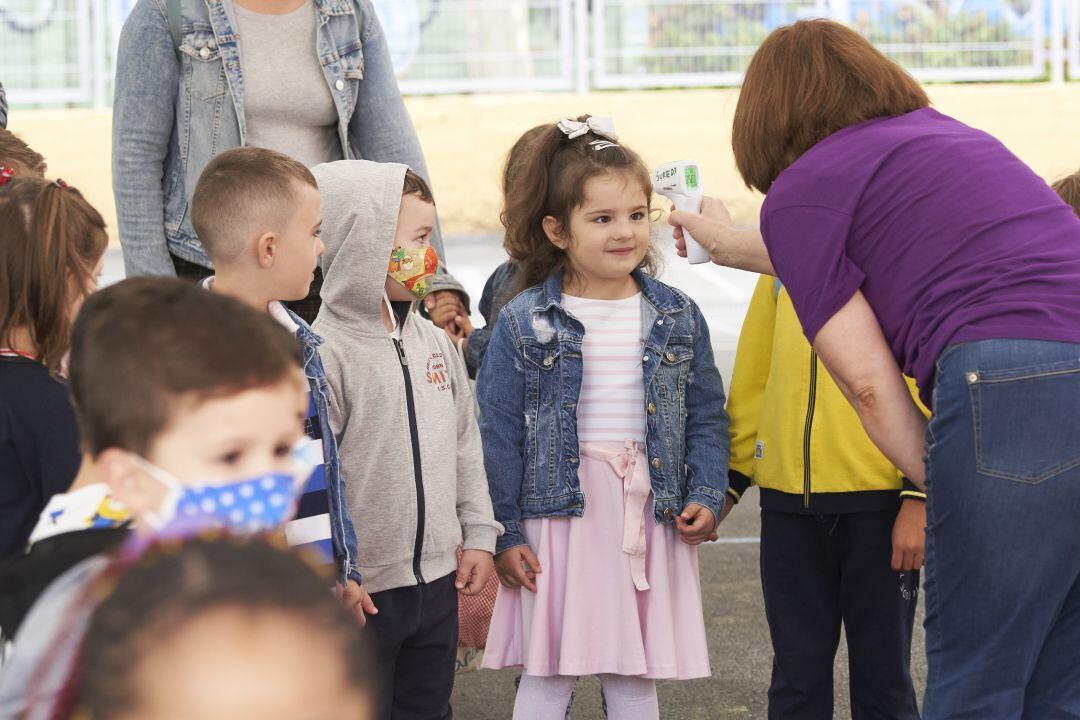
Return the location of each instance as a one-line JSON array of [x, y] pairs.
[[680, 182]]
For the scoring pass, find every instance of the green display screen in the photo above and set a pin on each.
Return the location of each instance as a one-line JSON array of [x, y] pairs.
[[691, 176]]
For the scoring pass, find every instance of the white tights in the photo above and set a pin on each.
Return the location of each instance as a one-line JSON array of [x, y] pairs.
[[545, 698]]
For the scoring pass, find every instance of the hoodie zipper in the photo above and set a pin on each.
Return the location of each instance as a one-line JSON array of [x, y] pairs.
[[810, 403], [418, 475]]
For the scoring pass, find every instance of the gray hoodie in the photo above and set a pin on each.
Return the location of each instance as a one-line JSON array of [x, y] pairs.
[[399, 513]]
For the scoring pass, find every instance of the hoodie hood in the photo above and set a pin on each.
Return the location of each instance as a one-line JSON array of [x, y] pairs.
[[360, 205]]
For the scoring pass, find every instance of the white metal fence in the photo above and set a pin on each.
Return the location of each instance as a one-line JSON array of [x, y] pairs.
[[644, 43], [1074, 40], [63, 51]]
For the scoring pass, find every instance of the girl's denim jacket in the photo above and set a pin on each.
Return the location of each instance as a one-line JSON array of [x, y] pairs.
[[528, 390], [175, 110], [342, 531]]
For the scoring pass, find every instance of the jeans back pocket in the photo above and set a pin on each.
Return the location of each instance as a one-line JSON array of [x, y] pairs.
[[1026, 427]]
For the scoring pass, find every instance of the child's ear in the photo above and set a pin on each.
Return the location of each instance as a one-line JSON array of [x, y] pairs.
[[266, 250], [125, 480], [554, 231]]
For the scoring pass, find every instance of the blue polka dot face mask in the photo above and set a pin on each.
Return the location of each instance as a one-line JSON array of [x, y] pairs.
[[249, 505]]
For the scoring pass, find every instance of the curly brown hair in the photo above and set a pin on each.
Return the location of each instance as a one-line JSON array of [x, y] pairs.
[[1068, 188], [545, 175]]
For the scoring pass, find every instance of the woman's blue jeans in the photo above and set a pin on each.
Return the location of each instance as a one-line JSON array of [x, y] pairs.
[[1003, 532]]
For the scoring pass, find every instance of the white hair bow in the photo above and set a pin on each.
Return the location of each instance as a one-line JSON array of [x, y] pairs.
[[602, 126]]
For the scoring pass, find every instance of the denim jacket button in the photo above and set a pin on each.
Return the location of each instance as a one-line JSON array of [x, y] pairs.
[[660, 321], [548, 361], [204, 53], [670, 356], [645, 359], [667, 514], [340, 84], [656, 463], [652, 408]]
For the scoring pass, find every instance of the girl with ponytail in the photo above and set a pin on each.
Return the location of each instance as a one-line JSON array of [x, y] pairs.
[[605, 436], [52, 243]]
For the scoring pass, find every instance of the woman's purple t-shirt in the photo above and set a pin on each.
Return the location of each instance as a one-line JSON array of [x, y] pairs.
[[950, 237]]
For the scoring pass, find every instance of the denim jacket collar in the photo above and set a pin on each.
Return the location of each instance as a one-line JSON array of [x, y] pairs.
[[304, 333], [659, 295]]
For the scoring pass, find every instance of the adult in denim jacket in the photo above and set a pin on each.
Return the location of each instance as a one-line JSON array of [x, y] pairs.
[[175, 109], [535, 354]]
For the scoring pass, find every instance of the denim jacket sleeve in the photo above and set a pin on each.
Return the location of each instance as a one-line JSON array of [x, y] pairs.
[[491, 302], [144, 112], [707, 441], [381, 126], [501, 390]]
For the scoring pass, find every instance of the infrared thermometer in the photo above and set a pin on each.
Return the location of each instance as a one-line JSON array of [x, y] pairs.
[[680, 182]]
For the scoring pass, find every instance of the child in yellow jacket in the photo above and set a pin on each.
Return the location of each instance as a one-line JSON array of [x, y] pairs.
[[842, 531]]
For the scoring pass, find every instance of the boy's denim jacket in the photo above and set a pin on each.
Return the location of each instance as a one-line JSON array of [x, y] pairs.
[[341, 528], [529, 386], [174, 111]]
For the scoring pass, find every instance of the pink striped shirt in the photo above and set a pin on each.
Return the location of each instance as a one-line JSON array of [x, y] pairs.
[[611, 407]]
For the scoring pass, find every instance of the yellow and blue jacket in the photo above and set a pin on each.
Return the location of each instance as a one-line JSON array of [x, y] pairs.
[[793, 433]]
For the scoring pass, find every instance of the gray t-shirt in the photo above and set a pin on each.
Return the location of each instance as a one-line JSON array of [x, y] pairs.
[[287, 103]]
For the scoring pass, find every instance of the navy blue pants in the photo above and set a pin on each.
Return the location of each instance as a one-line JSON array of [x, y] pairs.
[[819, 572], [416, 636]]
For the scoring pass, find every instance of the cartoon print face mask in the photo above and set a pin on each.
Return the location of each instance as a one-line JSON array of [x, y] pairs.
[[413, 269]]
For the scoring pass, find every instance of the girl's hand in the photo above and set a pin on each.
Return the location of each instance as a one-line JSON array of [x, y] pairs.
[[443, 306], [518, 567], [474, 569], [356, 600], [909, 536], [459, 329], [695, 524]]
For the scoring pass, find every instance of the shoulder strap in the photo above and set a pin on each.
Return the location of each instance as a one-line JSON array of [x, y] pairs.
[[175, 17]]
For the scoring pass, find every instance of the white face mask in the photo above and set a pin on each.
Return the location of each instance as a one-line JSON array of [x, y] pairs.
[[247, 505]]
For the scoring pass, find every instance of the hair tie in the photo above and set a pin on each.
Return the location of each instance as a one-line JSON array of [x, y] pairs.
[[6, 174], [60, 184], [602, 126]]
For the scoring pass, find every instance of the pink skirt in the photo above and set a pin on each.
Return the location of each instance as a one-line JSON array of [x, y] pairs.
[[618, 594]]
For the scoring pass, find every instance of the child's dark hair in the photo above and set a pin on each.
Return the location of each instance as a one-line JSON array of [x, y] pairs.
[[50, 233], [1069, 189], [238, 191], [416, 185], [151, 600], [142, 345], [545, 174], [19, 156]]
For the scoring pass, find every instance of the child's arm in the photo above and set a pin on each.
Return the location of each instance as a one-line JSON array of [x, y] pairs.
[[753, 359], [501, 392], [707, 441], [478, 526], [346, 549]]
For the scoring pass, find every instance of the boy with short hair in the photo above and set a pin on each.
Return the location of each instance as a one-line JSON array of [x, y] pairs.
[[170, 411], [258, 215], [404, 416]]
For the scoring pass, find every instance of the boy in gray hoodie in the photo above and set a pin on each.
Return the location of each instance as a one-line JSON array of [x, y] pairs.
[[403, 414]]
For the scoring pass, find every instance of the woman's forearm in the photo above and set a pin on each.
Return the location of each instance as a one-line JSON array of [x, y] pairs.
[[743, 249], [853, 348], [896, 426]]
